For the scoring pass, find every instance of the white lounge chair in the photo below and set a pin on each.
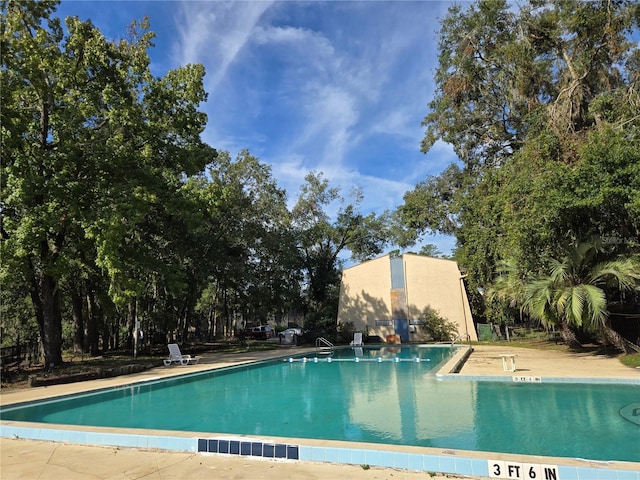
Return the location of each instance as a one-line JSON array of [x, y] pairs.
[[357, 340], [176, 357]]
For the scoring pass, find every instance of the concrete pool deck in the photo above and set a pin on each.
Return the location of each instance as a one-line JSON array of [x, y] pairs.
[[26, 459]]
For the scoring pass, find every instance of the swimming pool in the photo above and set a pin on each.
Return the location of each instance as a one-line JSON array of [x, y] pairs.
[[465, 399], [375, 395]]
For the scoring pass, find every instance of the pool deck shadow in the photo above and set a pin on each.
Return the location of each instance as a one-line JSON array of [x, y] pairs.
[[44, 459]]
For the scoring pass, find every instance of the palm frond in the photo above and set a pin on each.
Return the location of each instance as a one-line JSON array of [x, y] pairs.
[[562, 297], [560, 270], [508, 284], [596, 302], [576, 301], [573, 293], [622, 274], [538, 301]]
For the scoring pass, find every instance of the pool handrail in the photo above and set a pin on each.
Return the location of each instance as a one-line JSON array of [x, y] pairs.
[[323, 343]]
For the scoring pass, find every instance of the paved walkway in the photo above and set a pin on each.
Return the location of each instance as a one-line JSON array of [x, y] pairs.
[[486, 360], [27, 459]]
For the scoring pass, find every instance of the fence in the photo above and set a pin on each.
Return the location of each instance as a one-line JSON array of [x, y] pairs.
[[22, 352]]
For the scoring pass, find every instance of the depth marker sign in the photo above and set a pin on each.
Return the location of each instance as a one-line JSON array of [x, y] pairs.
[[522, 471]]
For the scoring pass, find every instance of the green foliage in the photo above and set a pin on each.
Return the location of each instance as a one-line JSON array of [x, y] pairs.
[[574, 292], [18, 322], [430, 205], [430, 250], [345, 332], [438, 327], [543, 113], [94, 150], [114, 211], [504, 74], [321, 241], [244, 250]]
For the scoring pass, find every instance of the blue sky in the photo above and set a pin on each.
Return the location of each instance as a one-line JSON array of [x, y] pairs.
[[336, 87]]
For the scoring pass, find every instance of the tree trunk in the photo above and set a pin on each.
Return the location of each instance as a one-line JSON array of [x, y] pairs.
[[91, 339], [131, 322], [116, 332], [78, 322], [568, 336], [619, 341], [210, 323], [221, 319], [51, 320], [189, 305]]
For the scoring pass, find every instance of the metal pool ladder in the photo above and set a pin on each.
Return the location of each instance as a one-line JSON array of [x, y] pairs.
[[324, 346]]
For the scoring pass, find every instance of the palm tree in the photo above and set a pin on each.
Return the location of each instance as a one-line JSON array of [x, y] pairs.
[[507, 288], [574, 293]]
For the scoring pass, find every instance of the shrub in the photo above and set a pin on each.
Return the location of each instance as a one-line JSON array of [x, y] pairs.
[[438, 327]]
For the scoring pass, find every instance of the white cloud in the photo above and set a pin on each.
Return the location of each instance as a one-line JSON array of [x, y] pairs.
[[307, 89], [330, 112], [214, 33], [312, 46]]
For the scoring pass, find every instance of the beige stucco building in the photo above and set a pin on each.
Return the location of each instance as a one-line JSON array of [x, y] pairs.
[[388, 295]]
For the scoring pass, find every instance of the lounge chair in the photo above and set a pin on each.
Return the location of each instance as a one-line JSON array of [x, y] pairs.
[[176, 357], [357, 340]]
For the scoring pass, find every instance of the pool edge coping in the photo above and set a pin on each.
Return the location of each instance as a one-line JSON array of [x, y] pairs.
[[449, 371], [427, 459]]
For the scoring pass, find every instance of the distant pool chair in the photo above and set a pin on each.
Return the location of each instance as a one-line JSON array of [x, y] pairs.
[[357, 340], [175, 356]]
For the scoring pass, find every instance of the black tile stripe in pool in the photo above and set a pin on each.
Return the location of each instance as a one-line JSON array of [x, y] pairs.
[[255, 449]]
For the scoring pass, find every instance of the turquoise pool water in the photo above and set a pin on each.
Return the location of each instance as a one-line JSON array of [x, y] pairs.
[[387, 401]]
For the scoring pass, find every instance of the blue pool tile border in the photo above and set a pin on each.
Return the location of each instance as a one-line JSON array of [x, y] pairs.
[[248, 448], [446, 464]]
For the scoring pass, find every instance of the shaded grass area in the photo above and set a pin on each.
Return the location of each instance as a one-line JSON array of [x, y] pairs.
[[631, 360], [540, 340], [16, 376], [546, 345], [535, 343]]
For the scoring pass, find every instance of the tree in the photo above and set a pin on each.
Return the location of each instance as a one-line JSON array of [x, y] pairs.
[[321, 241], [432, 205], [243, 251], [91, 141], [574, 293], [431, 250], [507, 290], [542, 106], [477, 107], [503, 75]]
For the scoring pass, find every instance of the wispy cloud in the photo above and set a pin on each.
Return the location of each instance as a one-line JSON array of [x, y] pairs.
[[339, 88], [213, 33]]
